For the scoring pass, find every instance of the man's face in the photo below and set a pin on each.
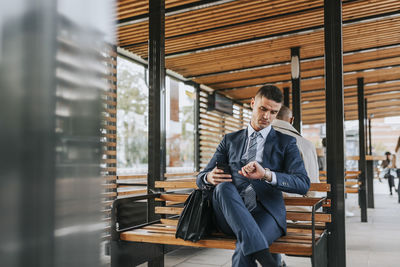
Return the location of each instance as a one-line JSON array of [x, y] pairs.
[[264, 112]]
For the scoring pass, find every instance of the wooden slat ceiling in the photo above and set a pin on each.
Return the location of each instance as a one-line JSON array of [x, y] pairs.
[[235, 47]]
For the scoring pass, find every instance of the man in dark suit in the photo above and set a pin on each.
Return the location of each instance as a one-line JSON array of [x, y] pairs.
[[248, 200]]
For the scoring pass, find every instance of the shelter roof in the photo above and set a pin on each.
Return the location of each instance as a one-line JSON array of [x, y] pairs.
[[236, 46]]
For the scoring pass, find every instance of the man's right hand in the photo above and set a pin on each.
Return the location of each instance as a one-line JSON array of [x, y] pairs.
[[217, 176]]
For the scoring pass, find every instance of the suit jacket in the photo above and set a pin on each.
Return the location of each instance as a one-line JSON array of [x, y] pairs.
[[280, 155]]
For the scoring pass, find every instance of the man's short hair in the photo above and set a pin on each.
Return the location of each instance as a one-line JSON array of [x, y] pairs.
[[324, 142], [284, 113], [271, 92]]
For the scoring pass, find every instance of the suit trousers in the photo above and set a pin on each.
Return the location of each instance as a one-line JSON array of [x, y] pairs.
[[254, 231]]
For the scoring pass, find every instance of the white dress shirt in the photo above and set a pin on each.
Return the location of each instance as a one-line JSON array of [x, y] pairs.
[[260, 146]]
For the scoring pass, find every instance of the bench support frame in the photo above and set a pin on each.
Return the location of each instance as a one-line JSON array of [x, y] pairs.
[[125, 253], [320, 254]]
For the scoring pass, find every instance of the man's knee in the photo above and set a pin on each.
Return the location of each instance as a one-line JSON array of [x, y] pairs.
[[223, 189]]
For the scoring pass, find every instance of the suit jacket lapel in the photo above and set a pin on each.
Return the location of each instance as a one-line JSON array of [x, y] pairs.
[[271, 139], [242, 143], [239, 144]]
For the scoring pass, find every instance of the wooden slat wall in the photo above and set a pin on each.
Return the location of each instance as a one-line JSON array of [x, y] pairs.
[[131, 185], [214, 125], [109, 136]]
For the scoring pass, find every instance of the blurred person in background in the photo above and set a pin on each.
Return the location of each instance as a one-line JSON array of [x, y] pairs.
[[397, 151], [389, 165]]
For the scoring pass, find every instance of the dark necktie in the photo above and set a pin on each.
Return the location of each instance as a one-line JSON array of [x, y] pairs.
[[249, 194], [252, 151]]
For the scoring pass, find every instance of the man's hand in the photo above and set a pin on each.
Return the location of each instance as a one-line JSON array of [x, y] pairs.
[[253, 170], [217, 176]]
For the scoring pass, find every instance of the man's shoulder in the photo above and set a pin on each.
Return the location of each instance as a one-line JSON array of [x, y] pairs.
[[233, 135], [284, 136]]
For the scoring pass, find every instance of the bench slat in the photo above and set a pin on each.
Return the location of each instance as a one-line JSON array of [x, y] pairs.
[[169, 210], [290, 215], [289, 201], [304, 201], [351, 177], [352, 183], [186, 174], [296, 232], [292, 233], [320, 187], [171, 222], [282, 245], [304, 228], [306, 216], [351, 190], [140, 235], [191, 183], [303, 231]]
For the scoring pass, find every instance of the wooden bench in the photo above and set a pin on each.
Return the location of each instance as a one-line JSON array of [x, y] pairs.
[[352, 184], [135, 244]]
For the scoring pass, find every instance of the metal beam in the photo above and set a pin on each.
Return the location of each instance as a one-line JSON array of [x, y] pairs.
[[157, 118], [286, 97], [369, 164], [296, 89], [334, 130], [370, 136], [276, 36], [173, 11], [362, 192], [197, 129]]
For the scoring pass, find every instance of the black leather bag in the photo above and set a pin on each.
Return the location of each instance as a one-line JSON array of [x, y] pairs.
[[196, 220]]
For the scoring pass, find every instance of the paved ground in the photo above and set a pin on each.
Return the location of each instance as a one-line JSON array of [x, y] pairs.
[[372, 244]]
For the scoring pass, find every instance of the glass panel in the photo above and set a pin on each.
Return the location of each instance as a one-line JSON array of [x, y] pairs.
[[132, 118], [180, 126]]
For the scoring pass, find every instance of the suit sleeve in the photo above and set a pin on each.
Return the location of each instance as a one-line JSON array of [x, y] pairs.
[[219, 155], [293, 179]]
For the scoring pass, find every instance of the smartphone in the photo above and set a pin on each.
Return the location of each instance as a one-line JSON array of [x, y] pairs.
[[223, 166]]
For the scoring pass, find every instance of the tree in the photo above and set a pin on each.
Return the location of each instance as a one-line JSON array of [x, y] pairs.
[[132, 115]]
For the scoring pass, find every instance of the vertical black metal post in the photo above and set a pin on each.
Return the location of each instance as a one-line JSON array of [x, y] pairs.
[[370, 136], [197, 129], [334, 130], [366, 125], [157, 135], [286, 97], [296, 93], [361, 140], [157, 109], [370, 166]]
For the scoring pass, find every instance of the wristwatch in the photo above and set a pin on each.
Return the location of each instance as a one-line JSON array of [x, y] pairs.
[[267, 173]]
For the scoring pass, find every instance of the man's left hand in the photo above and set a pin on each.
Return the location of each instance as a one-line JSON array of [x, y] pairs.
[[253, 170]]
